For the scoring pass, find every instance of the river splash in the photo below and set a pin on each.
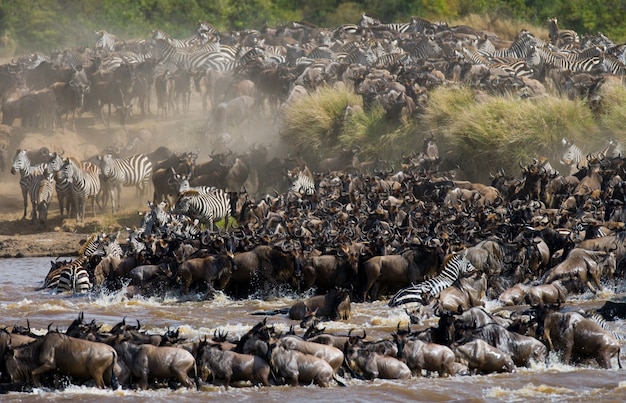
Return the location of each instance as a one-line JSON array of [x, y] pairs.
[[20, 300]]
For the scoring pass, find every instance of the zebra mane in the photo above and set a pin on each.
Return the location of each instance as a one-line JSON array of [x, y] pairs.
[[89, 243]]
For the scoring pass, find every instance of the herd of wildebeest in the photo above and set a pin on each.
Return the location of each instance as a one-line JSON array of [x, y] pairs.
[[344, 229]]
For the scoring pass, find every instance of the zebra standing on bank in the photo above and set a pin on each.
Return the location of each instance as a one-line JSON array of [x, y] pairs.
[[61, 185], [207, 208], [41, 192], [131, 171], [457, 266], [28, 174], [84, 180]]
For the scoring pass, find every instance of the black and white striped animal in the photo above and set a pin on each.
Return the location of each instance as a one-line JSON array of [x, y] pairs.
[[131, 171], [62, 186], [74, 278], [28, 174], [207, 208], [105, 41], [561, 37], [84, 179], [41, 192], [457, 266], [302, 182]]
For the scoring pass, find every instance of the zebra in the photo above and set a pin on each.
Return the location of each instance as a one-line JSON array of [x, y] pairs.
[[74, 278], [84, 180], [457, 266], [575, 158], [62, 186], [539, 57], [28, 173], [302, 182], [599, 319], [40, 192], [184, 186], [88, 249], [135, 170], [105, 41], [207, 208], [561, 37]]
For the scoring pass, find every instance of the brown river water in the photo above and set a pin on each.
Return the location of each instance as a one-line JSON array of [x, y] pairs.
[[19, 300]]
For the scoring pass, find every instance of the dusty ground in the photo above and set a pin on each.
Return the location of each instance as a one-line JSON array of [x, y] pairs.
[[185, 132]]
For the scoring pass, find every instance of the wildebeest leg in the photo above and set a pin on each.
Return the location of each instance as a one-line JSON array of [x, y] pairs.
[[183, 378]]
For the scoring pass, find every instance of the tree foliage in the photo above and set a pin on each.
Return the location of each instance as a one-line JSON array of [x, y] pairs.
[[50, 24]]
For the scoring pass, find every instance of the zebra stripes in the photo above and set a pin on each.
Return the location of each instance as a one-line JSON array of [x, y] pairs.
[[105, 41], [207, 208], [303, 184], [74, 278], [84, 180], [62, 186], [29, 175], [131, 171], [457, 266], [561, 37], [184, 186], [41, 192]]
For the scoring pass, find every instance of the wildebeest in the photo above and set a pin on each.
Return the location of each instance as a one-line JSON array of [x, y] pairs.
[[330, 354], [375, 365], [230, 366], [297, 367], [482, 358], [577, 337], [332, 306], [81, 359], [146, 361], [10, 339], [464, 293], [214, 270], [522, 349], [392, 272], [582, 266], [546, 294], [418, 355]]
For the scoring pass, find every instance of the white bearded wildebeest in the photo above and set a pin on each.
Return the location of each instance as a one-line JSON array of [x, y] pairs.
[[81, 359]]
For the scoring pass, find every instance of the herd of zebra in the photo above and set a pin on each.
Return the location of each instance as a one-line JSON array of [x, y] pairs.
[[418, 55]]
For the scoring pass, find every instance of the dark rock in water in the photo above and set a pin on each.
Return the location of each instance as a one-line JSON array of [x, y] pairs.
[[612, 310]]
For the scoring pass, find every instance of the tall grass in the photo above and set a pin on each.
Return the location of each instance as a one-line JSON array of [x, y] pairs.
[[502, 131], [478, 134], [314, 123]]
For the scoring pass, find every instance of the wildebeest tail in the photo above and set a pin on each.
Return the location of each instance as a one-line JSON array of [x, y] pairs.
[[339, 381], [114, 382], [272, 312]]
